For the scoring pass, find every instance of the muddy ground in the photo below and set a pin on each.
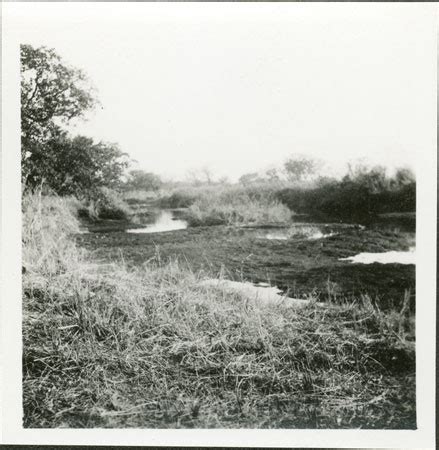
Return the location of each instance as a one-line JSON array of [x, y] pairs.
[[299, 267]]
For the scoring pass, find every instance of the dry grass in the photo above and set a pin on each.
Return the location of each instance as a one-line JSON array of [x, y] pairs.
[[107, 346], [47, 223], [186, 194], [237, 205], [216, 211]]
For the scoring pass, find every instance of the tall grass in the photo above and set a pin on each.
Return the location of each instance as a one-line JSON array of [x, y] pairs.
[[228, 204], [107, 346], [47, 223], [237, 210]]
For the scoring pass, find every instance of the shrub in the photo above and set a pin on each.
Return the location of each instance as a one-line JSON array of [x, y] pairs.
[[138, 196], [141, 180], [177, 200], [106, 204]]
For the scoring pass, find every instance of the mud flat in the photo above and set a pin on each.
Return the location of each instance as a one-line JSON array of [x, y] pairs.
[[298, 265]]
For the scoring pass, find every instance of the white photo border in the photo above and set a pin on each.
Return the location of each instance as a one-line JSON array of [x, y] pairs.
[[425, 18]]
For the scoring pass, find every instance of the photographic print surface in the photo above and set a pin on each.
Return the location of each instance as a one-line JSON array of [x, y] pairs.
[[219, 219]]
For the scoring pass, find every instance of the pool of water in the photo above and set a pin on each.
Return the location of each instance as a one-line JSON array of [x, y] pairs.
[[384, 258], [285, 235], [308, 232], [166, 220], [260, 292]]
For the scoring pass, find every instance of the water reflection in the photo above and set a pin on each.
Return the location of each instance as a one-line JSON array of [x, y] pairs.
[[284, 236], [259, 292], [165, 221], [300, 231], [384, 258]]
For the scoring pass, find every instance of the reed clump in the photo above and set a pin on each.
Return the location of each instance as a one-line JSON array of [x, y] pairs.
[[237, 206]]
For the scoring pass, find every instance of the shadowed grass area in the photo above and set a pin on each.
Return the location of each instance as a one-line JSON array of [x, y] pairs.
[[150, 346]]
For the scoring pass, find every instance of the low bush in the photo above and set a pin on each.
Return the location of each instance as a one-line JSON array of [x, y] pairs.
[[106, 203], [134, 197], [177, 200], [139, 180]]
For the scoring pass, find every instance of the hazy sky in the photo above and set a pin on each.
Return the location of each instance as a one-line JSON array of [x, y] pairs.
[[240, 87]]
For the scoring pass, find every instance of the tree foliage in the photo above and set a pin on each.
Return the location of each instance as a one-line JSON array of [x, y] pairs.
[[76, 166], [272, 175], [300, 167], [404, 177], [249, 178], [52, 94], [198, 177], [144, 181]]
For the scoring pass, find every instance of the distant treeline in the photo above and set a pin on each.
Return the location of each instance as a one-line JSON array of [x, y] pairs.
[[365, 193]]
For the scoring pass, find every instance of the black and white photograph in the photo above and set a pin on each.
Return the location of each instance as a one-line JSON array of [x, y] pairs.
[[219, 218]]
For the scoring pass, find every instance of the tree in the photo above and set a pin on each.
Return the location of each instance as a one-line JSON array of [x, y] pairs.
[[373, 179], [249, 178], [201, 176], [404, 176], [207, 174], [77, 166], [141, 180], [52, 94], [272, 175], [300, 167], [224, 180]]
